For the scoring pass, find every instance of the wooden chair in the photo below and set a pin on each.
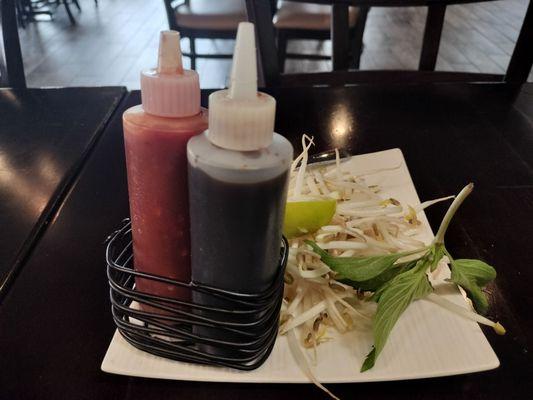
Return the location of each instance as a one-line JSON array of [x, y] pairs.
[[205, 19], [29, 9], [517, 72], [295, 20], [11, 66]]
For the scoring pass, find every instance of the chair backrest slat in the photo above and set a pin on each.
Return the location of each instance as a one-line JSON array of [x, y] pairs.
[[11, 66]]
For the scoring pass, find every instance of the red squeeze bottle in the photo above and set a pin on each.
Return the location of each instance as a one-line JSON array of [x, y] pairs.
[[155, 136]]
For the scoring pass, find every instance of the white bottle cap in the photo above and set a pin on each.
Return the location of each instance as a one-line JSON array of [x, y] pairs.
[[169, 90], [241, 118]]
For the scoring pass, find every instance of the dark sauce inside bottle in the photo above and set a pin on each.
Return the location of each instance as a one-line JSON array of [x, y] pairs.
[[236, 232]]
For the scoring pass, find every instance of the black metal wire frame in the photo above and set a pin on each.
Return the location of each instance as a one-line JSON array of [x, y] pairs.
[[247, 322]]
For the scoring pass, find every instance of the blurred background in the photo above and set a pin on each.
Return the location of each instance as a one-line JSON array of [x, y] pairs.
[[107, 42]]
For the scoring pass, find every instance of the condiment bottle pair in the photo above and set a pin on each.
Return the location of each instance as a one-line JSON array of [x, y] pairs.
[[237, 177]]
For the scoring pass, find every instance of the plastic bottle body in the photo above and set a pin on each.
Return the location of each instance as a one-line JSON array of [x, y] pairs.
[[238, 178], [237, 207], [157, 184]]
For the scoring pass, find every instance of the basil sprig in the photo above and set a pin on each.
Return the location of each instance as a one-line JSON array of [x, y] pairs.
[[397, 284]]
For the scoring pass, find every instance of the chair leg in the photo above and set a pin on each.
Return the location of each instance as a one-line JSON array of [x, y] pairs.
[[282, 50], [193, 52], [69, 12], [357, 37], [522, 59], [11, 63], [340, 36], [432, 36], [77, 4], [20, 15]]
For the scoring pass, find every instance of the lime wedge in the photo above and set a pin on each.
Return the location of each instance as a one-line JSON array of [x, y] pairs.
[[303, 217]]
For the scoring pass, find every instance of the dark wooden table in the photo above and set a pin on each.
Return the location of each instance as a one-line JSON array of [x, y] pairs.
[[45, 135], [56, 323]]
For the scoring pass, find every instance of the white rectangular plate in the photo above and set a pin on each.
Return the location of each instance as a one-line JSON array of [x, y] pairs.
[[428, 341]]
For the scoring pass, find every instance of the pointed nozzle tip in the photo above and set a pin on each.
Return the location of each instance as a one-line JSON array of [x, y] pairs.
[[245, 29], [169, 57], [244, 68]]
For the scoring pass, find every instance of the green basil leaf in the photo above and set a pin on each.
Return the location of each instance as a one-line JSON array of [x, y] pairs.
[[356, 269], [370, 360], [386, 283], [472, 276], [376, 283], [400, 292]]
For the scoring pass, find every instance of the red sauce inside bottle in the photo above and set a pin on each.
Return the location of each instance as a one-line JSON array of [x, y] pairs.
[[157, 183]]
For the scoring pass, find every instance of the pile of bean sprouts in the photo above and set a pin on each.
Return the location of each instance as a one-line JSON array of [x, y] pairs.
[[364, 224]]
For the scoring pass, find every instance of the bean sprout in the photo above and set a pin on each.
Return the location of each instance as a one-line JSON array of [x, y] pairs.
[[364, 224]]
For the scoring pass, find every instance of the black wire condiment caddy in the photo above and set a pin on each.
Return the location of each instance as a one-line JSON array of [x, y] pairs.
[[246, 325]]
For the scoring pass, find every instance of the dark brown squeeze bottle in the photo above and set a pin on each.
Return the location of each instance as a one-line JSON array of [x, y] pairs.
[[238, 175]]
